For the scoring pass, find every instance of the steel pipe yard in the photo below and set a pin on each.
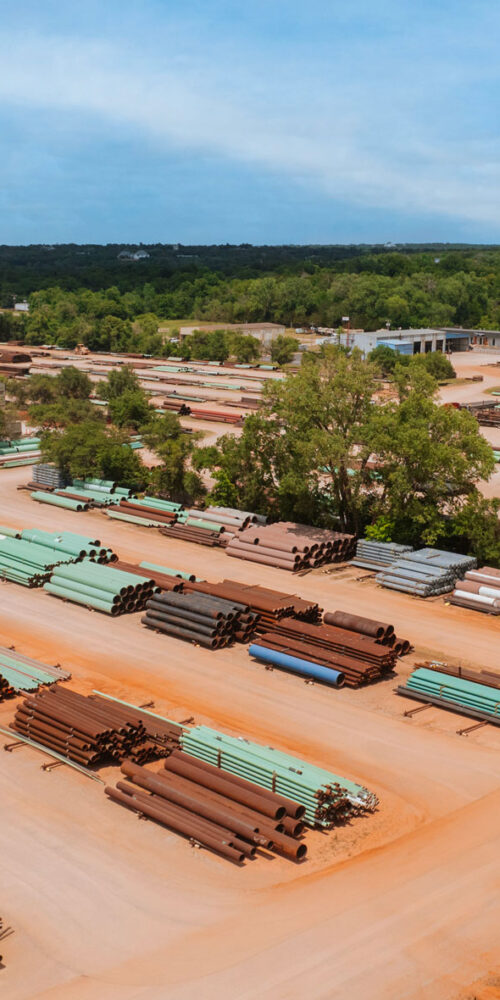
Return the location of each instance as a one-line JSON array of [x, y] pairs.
[[118, 907]]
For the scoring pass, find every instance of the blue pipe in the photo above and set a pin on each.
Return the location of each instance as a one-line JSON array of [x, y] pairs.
[[333, 677]]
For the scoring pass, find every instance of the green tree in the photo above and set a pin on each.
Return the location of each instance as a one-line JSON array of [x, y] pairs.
[[430, 457], [283, 350], [64, 413], [385, 358], [174, 477], [89, 449], [118, 381], [244, 348], [131, 409], [73, 383]]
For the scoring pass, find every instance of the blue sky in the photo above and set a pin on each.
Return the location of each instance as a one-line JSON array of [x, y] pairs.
[[285, 121]]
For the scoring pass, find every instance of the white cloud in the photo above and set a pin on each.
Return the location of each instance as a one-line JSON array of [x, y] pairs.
[[363, 145]]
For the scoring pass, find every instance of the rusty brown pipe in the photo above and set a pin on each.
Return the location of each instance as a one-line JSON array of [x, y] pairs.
[[292, 808], [258, 802]]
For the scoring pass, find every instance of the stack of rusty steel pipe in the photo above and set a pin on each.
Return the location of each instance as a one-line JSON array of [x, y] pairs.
[[291, 546], [381, 632], [161, 580], [227, 814], [359, 658], [201, 618], [92, 730], [193, 533], [269, 605]]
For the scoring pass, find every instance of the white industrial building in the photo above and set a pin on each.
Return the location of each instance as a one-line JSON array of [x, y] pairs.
[[405, 341]]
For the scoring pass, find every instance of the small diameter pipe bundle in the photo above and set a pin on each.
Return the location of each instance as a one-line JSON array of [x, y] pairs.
[[379, 631], [93, 730], [477, 696], [30, 559], [326, 797], [229, 816], [103, 588], [21, 673], [200, 618]]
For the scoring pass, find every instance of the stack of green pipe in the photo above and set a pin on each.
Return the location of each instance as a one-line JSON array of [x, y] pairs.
[[323, 794], [167, 570], [16, 463], [470, 694], [103, 588], [24, 674], [146, 522], [194, 522], [10, 532], [19, 446], [77, 546], [496, 455], [91, 495], [27, 562], [57, 501]]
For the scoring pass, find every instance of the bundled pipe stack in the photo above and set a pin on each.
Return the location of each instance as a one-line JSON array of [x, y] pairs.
[[49, 475], [195, 530], [327, 798], [325, 652], [149, 511], [59, 500], [291, 546], [229, 815], [381, 632], [201, 618], [427, 572], [21, 673], [103, 588], [378, 555], [20, 451], [475, 695], [269, 605], [479, 590], [30, 559], [92, 730], [489, 417], [164, 578]]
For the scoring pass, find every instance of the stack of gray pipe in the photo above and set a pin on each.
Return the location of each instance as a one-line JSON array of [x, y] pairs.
[[49, 475], [207, 620], [242, 515], [480, 590], [427, 572], [377, 555]]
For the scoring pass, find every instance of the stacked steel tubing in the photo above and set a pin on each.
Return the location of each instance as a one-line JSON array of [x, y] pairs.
[[31, 558], [327, 798], [190, 533], [489, 677], [378, 555], [45, 474], [147, 511], [21, 673], [359, 658], [58, 500], [161, 734], [103, 588], [427, 572], [231, 818], [479, 591], [291, 546], [381, 632], [209, 621], [92, 730], [218, 416], [478, 696], [163, 581], [269, 605]]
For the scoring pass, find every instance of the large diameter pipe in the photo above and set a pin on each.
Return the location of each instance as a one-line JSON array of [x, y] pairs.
[[183, 826], [180, 633], [356, 623], [293, 809], [335, 678], [251, 799], [160, 786]]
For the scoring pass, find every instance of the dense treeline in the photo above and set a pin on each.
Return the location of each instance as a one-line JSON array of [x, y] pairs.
[[458, 287]]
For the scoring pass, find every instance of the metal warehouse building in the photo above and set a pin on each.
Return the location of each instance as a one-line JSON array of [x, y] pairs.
[[406, 341]]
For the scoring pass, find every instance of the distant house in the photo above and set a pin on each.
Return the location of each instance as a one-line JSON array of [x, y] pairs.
[[133, 255], [21, 307]]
